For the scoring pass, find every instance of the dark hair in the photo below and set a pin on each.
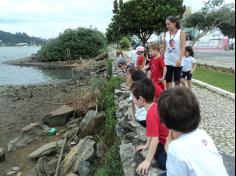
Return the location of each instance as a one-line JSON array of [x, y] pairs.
[[179, 110], [145, 89], [174, 19], [138, 75], [190, 50]]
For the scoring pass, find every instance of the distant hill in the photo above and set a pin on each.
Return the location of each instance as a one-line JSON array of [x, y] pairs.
[[7, 38]]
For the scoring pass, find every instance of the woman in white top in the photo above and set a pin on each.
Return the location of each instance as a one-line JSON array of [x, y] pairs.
[[174, 47]]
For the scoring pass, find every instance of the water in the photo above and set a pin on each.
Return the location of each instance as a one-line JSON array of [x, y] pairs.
[[16, 75]]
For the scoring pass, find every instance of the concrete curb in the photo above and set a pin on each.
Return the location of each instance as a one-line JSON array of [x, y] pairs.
[[215, 89]]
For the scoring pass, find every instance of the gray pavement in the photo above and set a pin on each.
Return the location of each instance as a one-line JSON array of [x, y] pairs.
[[224, 59]]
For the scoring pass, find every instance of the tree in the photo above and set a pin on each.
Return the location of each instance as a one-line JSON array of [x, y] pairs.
[[120, 3], [115, 7], [143, 17], [213, 15], [73, 44], [228, 28]]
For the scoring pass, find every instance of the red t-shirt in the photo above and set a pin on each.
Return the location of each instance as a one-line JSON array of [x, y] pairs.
[[158, 91], [154, 127], [157, 65], [140, 60]]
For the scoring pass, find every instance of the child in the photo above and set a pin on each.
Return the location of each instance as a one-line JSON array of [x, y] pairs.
[[141, 59], [190, 151], [135, 74], [189, 66], [133, 56], [143, 95], [157, 65]]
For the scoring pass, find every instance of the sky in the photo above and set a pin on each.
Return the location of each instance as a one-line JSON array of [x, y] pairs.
[[47, 18]]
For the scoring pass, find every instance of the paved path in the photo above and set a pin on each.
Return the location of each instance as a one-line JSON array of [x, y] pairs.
[[224, 59]]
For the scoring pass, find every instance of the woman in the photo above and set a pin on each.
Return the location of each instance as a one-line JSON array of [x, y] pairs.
[[174, 47]]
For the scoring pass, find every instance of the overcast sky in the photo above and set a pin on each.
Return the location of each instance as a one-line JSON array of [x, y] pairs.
[[47, 18]]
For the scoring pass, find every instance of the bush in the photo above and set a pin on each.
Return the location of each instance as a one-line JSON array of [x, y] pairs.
[[109, 68], [73, 44], [125, 43]]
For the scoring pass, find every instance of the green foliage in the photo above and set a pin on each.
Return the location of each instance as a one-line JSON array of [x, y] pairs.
[[115, 7], [125, 43], [112, 165], [9, 38], [143, 17], [109, 68], [212, 16], [73, 44]]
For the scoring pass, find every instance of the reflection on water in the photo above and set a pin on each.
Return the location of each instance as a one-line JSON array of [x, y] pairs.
[[17, 75]]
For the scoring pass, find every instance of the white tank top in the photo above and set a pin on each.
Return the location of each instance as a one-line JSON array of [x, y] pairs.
[[172, 53]]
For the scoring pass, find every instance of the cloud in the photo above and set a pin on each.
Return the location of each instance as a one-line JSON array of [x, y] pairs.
[[53, 15]]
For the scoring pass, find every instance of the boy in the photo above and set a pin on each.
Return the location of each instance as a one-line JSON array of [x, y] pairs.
[[157, 65], [190, 151], [143, 96]]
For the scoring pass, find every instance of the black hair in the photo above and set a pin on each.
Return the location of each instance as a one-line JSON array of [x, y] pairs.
[[190, 50], [138, 75], [144, 88], [174, 19], [179, 110]]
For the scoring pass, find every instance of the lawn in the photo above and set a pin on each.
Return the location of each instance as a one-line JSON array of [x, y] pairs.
[[216, 78]]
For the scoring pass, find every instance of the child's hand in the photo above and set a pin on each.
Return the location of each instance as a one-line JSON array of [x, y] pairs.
[[143, 167], [141, 148], [161, 80]]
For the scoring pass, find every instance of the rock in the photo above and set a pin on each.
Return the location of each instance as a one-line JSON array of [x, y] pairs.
[[2, 155], [84, 169], [19, 174], [83, 151], [45, 167], [15, 169], [59, 117], [27, 135], [11, 173], [72, 174], [102, 56], [127, 155], [46, 149], [100, 149], [91, 124]]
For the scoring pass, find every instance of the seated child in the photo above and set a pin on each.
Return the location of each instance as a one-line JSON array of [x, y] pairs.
[[190, 151], [143, 96]]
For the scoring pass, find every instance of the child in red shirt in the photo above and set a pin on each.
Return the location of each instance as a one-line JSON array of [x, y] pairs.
[[141, 58], [143, 96], [157, 65]]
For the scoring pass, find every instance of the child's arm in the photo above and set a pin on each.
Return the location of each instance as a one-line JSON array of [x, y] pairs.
[[164, 74], [144, 166], [146, 67], [194, 67]]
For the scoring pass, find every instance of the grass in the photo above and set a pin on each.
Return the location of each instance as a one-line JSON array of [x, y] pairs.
[[216, 78], [110, 163]]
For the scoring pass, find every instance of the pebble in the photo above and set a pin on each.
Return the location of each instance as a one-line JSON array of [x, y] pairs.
[[19, 174], [11, 172], [15, 168]]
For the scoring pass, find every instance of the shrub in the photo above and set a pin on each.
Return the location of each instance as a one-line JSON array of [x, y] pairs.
[[73, 44], [109, 68], [125, 43]]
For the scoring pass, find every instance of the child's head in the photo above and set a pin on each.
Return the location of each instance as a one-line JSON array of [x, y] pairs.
[[135, 74], [189, 51], [179, 110], [143, 92], [119, 53], [155, 49], [140, 50]]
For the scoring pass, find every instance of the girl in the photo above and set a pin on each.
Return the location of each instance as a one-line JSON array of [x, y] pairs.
[[189, 66], [174, 47], [141, 58]]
